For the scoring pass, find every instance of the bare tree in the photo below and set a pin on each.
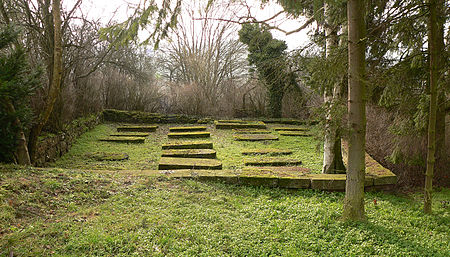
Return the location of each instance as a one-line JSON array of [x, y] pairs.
[[202, 56]]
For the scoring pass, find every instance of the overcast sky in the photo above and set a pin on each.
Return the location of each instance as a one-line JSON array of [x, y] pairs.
[[104, 10]]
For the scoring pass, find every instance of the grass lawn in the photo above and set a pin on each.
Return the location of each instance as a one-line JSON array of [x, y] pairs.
[[78, 213], [146, 156]]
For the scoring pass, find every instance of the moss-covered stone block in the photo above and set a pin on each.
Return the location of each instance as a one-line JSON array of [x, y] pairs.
[[272, 162], [295, 182], [328, 181], [188, 145], [259, 180], [131, 140], [251, 131], [288, 121], [187, 129], [295, 133], [279, 171], [130, 134], [227, 176], [103, 156], [137, 128], [195, 134], [266, 151], [240, 125], [290, 129], [254, 137], [171, 163], [233, 121], [385, 179], [190, 153]]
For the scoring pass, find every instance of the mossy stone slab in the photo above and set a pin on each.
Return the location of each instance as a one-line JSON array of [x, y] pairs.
[[266, 151], [102, 156], [272, 162], [188, 145], [251, 131], [195, 134], [187, 129], [290, 129], [279, 171], [245, 125], [137, 128], [328, 181], [132, 140], [255, 137], [130, 134], [233, 121], [190, 153], [171, 163], [294, 133], [380, 180]]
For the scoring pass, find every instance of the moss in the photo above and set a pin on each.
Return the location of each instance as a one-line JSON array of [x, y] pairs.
[[240, 125], [254, 137], [102, 156], [169, 163], [201, 134], [137, 128], [130, 134], [272, 162], [188, 145], [137, 140], [233, 121], [266, 151], [328, 181], [295, 133], [290, 129], [251, 131], [190, 153], [187, 129]]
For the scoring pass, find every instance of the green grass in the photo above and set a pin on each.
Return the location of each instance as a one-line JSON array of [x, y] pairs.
[[141, 156], [146, 156], [79, 213]]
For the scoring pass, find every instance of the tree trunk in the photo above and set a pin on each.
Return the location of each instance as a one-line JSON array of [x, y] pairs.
[[332, 155], [434, 48], [55, 82], [22, 156], [354, 189]]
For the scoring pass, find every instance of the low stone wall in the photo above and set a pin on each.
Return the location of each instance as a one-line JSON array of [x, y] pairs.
[[111, 115], [52, 146]]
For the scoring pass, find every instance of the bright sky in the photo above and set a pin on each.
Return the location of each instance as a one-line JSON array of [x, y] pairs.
[[105, 9]]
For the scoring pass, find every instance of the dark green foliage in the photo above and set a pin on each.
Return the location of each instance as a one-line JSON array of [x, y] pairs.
[[17, 82], [268, 56]]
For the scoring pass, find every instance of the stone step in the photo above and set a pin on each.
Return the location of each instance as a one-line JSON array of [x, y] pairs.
[[137, 128], [190, 153], [254, 137], [251, 131], [187, 129], [102, 156], [188, 145], [198, 134], [283, 171], [272, 162], [233, 121], [171, 163], [130, 134], [266, 151], [133, 140], [290, 129], [244, 125], [295, 133]]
